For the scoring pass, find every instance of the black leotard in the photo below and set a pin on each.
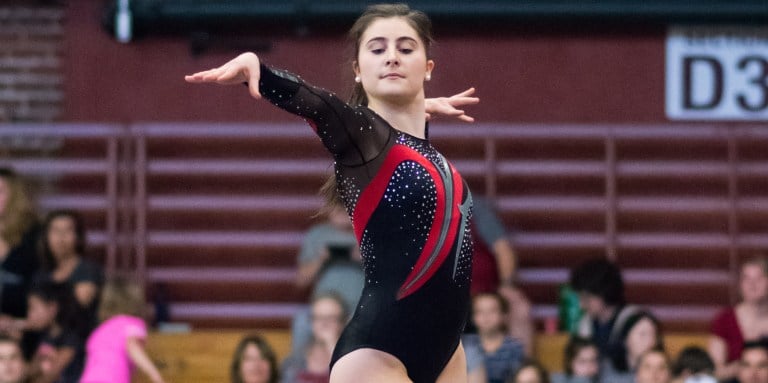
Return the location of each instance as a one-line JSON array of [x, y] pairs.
[[410, 211]]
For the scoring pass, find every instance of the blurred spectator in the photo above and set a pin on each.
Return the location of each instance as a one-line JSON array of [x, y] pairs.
[[753, 365], [13, 367], [18, 237], [494, 266], [475, 364], [254, 362], [581, 361], [60, 355], [640, 333], [653, 367], [746, 321], [502, 354], [694, 365], [311, 365], [601, 295], [62, 246], [329, 261], [530, 372], [117, 344]]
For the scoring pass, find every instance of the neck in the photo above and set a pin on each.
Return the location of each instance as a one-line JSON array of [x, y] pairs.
[[759, 308], [67, 260], [491, 335], [408, 117]]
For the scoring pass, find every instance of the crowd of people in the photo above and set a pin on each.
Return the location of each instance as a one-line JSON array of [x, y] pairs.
[[60, 320], [63, 322]]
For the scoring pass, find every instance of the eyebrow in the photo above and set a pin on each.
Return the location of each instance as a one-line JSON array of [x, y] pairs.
[[398, 39]]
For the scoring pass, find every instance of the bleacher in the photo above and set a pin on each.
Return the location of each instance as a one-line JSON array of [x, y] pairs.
[[213, 214]]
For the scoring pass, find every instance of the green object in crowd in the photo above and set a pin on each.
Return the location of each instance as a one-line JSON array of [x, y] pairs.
[[569, 309]]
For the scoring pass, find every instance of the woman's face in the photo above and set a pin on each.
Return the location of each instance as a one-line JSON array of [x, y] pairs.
[[5, 195], [254, 368], [753, 283], [653, 369], [392, 61], [528, 375], [326, 320], [641, 338], [585, 363], [487, 314], [62, 237]]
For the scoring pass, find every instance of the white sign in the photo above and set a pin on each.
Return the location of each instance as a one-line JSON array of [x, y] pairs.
[[717, 73]]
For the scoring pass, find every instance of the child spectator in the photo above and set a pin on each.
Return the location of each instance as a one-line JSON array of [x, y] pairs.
[[653, 367], [254, 362], [59, 356], [502, 355], [530, 372], [581, 361], [753, 365], [117, 343], [13, 367], [694, 365]]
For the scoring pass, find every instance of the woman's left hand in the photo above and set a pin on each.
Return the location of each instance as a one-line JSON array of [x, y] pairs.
[[447, 106]]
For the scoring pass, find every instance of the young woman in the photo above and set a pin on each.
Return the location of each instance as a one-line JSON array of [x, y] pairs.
[[254, 362], [747, 321], [63, 247], [502, 354], [409, 206], [581, 362]]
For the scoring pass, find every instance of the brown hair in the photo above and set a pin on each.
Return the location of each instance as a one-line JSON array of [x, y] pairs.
[[266, 352], [19, 213], [419, 21], [47, 257], [122, 295], [759, 260]]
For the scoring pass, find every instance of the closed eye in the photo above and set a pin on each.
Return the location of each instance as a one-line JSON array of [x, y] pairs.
[[406, 50], [377, 51]]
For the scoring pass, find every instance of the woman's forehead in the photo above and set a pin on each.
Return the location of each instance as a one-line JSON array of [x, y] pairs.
[[392, 28]]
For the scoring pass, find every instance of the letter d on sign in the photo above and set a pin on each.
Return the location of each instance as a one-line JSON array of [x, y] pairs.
[[715, 70]]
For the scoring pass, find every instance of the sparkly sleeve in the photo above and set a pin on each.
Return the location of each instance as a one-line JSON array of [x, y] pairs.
[[346, 132]]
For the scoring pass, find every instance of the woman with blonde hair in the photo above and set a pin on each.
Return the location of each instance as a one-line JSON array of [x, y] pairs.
[[19, 232], [117, 343]]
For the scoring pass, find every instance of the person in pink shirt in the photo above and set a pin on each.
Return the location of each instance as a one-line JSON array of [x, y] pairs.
[[117, 344]]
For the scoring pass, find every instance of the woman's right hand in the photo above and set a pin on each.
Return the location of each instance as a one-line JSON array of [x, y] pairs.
[[243, 68]]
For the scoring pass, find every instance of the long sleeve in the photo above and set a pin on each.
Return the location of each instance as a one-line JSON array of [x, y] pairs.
[[348, 133]]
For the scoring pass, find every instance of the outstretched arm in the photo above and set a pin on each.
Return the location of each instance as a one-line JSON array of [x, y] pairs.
[[448, 106]]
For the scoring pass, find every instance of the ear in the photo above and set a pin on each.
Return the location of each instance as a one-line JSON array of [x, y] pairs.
[[355, 68], [430, 66]]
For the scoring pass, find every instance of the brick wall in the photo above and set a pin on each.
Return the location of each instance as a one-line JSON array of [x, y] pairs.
[[30, 62]]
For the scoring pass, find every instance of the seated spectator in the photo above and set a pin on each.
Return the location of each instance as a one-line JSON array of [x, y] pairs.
[[116, 346], [502, 355], [694, 365], [329, 261], [753, 365], [494, 266], [530, 372], [254, 362], [311, 365], [63, 247], [60, 355], [653, 367], [475, 364], [640, 333], [581, 361], [19, 231], [747, 321], [601, 296], [13, 367]]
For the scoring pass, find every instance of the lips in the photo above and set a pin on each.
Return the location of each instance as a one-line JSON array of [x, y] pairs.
[[393, 75]]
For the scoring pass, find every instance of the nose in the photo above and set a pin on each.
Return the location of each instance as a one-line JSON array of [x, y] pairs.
[[392, 57]]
